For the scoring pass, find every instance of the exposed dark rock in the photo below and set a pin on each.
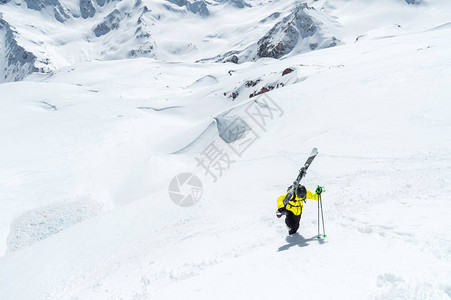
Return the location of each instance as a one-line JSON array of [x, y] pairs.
[[197, 7], [264, 89], [233, 59], [313, 46], [138, 3], [143, 50], [236, 3], [299, 30], [61, 14], [19, 63], [109, 23], [49, 106], [287, 71], [251, 83], [103, 2], [226, 57], [284, 36], [142, 34], [271, 17], [232, 95], [87, 9], [414, 2]]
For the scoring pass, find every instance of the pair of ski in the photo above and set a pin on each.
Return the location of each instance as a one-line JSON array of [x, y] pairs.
[[319, 190]]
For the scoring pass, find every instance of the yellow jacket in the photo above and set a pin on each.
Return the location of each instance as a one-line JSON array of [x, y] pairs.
[[296, 204]]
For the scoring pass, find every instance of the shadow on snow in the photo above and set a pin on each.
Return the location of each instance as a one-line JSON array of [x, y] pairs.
[[298, 240]]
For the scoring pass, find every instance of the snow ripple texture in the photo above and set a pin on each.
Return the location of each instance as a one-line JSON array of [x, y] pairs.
[[41, 223]]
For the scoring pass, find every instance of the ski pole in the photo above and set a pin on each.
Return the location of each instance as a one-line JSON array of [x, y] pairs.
[[319, 236], [319, 191], [322, 216]]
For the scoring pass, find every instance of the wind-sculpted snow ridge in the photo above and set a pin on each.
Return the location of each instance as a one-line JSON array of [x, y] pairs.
[[231, 127], [16, 61], [301, 31]]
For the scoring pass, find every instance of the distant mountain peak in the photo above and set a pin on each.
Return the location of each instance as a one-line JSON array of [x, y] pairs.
[[298, 32], [196, 7]]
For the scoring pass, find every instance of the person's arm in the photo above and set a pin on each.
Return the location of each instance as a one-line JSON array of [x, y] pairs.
[[312, 196]]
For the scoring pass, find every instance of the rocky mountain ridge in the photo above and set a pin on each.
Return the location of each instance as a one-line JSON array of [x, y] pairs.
[[43, 36]]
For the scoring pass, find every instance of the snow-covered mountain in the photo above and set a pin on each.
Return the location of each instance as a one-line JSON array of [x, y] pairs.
[[59, 34], [15, 61], [107, 105], [300, 31]]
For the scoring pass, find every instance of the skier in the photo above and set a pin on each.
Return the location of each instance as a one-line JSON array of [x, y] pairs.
[[293, 209]]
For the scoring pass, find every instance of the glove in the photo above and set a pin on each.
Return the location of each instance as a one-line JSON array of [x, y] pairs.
[[320, 190], [281, 211]]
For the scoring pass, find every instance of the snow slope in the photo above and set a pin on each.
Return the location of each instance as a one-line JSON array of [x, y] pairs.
[[88, 152]]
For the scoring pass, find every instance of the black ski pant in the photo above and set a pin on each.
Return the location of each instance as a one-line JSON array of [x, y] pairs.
[[292, 222]]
